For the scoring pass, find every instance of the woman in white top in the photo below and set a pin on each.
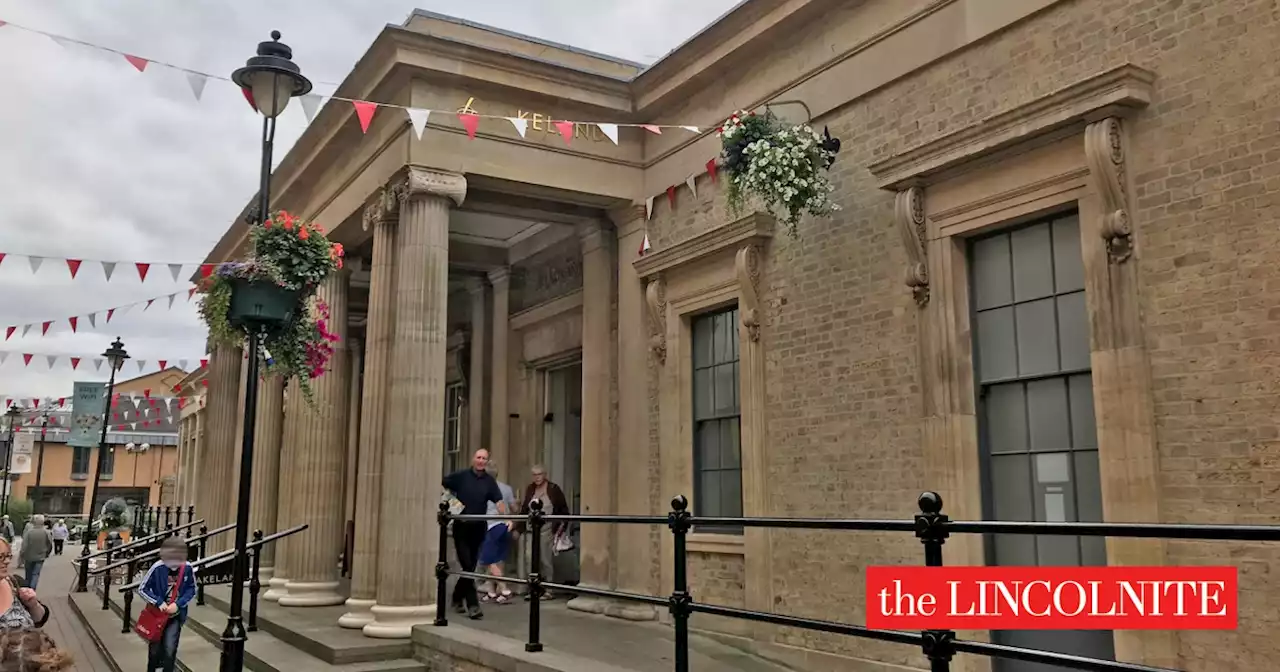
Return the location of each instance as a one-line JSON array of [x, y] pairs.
[[493, 552]]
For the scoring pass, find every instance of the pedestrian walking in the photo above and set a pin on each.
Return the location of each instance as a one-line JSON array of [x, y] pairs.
[[497, 542], [553, 504], [474, 488], [169, 585], [37, 544], [60, 534]]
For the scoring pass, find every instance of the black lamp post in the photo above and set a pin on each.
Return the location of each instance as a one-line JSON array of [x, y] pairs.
[[273, 79], [116, 357], [14, 415]]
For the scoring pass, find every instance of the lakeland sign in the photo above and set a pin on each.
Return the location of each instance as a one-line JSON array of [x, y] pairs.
[[544, 123]]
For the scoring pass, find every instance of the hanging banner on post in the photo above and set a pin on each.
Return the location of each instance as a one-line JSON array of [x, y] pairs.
[[88, 405], [24, 448]]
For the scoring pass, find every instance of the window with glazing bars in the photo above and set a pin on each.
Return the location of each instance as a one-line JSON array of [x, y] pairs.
[[717, 447]]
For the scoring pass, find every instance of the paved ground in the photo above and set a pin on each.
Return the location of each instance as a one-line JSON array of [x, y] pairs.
[[56, 581]]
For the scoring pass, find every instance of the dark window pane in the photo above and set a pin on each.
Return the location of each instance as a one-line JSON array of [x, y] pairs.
[[1037, 338], [992, 274], [1032, 263], [730, 444], [737, 388], [1047, 414], [1073, 331], [731, 493], [1006, 411], [1093, 550], [703, 394], [997, 353], [707, 441], [722, 350], [1011, 500], [709, 498], [1068, 262], [724, 394], [703, 331], [734, 325], [1084, 431]]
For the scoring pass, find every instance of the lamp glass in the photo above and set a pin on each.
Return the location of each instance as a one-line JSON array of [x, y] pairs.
[[271, 92]]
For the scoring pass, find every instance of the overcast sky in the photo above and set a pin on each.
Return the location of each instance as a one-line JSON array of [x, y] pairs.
[[101, 162]]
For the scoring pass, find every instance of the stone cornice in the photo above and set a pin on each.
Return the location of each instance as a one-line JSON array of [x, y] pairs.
[[1118, 92], [729, 237]]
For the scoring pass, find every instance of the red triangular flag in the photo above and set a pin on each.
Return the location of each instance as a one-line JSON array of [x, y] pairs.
[[110, 312], [142, 271], [149, 302], [75, 364], [711, 170], [74, 266], [147, 393], [671, 195], [26, 359], [9, 332], [115, 416], [2, 257], [471, 122], [364, 112], [35, 403], [204, 363], [190, 293], [656, 130], [206, 270], [206, 384], [62, 401], [566, 130], [73, 321], [44, 328], [137, 62], [248, 95], [164, 364]]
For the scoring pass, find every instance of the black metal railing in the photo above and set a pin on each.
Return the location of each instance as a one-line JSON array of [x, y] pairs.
[[254, 555], [133, 564], [83, 571], [930, 526], [149, 519]]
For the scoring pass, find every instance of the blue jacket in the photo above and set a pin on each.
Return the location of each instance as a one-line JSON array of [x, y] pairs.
[[155, 588]]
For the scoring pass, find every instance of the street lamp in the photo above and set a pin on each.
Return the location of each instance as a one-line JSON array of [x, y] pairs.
[[272, 79], [14, 415], [115, 356], [44, 429]]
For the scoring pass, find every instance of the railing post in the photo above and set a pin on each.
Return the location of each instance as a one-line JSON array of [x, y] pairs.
[[536, 521], [168, 512], [678, 521], [204, 530], [932, 531], [106, 578], [127, 616], [442, 566], [255, 585], [82, 577], [191, 517]]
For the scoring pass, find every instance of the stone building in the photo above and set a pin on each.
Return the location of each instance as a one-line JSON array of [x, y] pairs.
[[1081, 195]]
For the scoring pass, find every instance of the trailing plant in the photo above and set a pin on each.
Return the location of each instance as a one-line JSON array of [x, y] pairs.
[[783, 166], [115, 514], [295, 255]]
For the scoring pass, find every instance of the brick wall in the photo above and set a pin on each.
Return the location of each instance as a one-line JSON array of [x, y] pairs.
[[840, 327]]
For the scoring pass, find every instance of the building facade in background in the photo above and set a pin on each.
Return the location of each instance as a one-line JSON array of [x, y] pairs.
[[1082, 196]]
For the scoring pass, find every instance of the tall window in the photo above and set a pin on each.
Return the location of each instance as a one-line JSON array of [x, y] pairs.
[[453, 400], [717, 447], [80, 462], [1039, 439], [109, 462]]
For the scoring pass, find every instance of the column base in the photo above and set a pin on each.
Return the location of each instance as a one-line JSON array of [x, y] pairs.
[[588, 604], [630, 611], [265, 574], [398, 622], [279, 588], [358, 614], [322, 594]]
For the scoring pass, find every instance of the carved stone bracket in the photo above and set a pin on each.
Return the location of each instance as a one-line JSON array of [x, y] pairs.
[[420, 181], [908, 214], [385, 205], [655, 297], [1105, 148], [747, 267]]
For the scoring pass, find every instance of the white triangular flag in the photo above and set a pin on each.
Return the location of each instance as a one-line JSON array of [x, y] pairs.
[[52, 359], [63, 42], [35, 263], [171, 298], [93, 320], [522, 125], [419, 119], [26, 328], [691, 129], [3, 356], [124, 310], [97, 364], [692, 184], [197, 80], [648, 208], [133, 425], [182, 364], [146, 412], [108, 267], [644, 245], [610, 130], [310, 104], [175, 270], [142, 364]]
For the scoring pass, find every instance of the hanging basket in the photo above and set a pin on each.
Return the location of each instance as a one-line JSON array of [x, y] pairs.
[[257, 304]]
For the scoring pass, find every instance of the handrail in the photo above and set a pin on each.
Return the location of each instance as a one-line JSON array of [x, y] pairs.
[[155, 551], [138, 541], [930, 526], [223, 555]]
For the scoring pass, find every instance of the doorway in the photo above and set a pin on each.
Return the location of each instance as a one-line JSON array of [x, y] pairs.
[[562, 451]]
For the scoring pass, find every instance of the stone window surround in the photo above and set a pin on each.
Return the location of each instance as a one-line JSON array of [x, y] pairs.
[[1066, 149]]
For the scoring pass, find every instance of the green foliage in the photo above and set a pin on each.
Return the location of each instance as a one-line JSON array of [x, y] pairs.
[[115, 514], [20, 511]]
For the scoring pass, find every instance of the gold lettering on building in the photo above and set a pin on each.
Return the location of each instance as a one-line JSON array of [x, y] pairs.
[[544, 123]]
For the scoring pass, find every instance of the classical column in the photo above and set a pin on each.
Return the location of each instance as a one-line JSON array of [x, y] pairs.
[[499, 416], [217, 460], [597, 461], [476, 401], [356, 364], [289, 447], [268, 433], [415, 417], [634, 552], [319, 463], [373, 412]]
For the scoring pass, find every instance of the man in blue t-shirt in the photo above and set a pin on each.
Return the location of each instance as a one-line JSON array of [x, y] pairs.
[[475, 488]]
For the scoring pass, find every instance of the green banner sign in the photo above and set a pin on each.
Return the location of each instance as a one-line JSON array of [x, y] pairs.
[[88, 404]]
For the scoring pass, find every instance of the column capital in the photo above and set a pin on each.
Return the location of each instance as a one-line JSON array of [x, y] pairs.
[[420, 181], [627, 218], [474, 285], [383, 207], [499, 276]]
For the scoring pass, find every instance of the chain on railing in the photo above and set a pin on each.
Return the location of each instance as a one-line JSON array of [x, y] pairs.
[[930, 526]]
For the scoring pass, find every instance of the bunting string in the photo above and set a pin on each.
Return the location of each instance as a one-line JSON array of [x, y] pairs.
[[142, 269], [94, 362], [90, 320]]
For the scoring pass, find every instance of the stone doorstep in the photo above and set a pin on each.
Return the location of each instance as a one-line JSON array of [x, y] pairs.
[[314, 630], [495, 652], [199, 650]]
